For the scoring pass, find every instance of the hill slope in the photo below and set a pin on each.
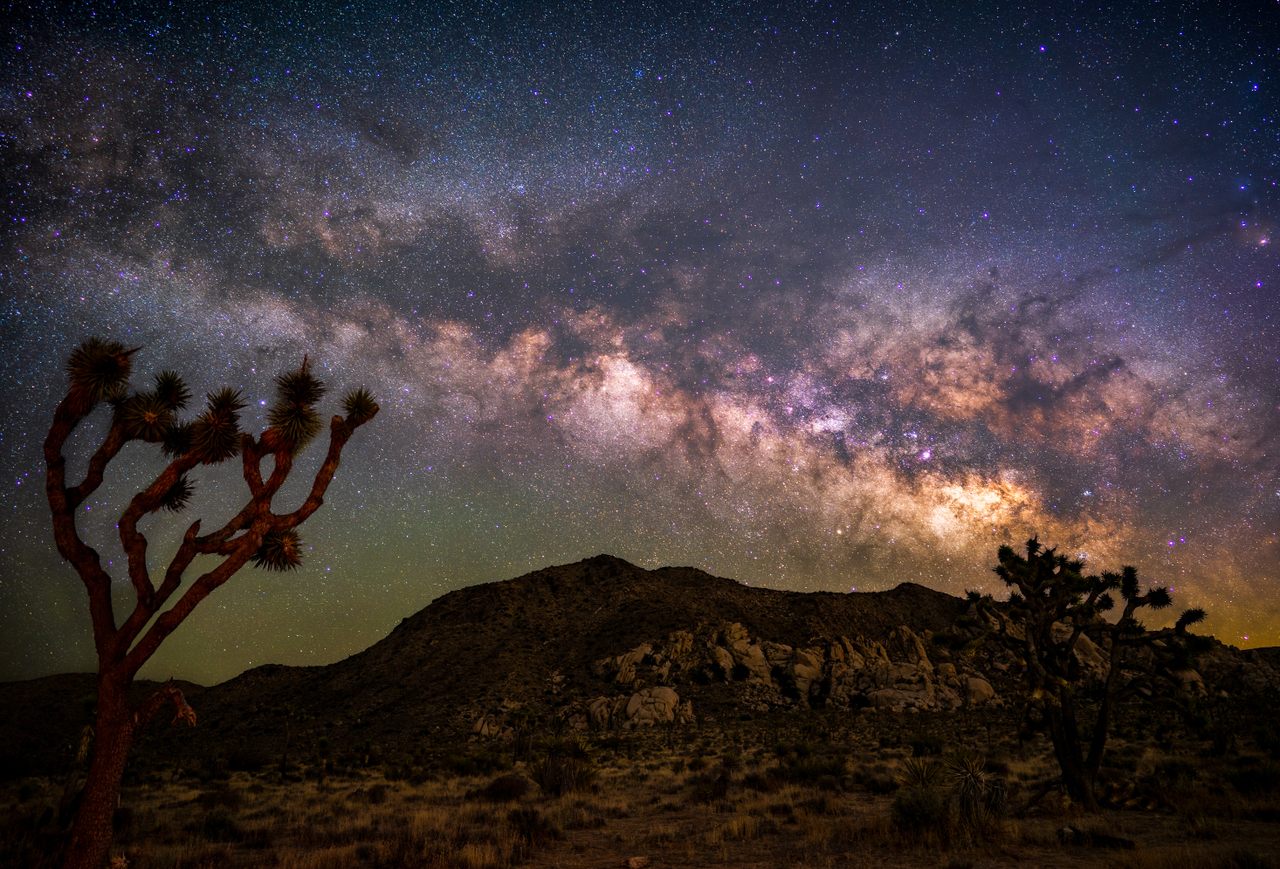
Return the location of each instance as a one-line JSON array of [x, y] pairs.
[[600, 643], [473, 649]]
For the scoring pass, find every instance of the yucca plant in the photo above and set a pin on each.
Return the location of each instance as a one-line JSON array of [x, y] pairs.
[[358, 404], [98, 372], [920, 805], [178, 496], [172, 390], [978, 796], [920, 772]]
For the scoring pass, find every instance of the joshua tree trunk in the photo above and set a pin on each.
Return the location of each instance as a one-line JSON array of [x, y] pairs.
[[1065, 735], [113, 735]]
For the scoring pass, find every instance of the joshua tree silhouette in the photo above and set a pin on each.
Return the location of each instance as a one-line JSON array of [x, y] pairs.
[[1051, 606], [99, 374]]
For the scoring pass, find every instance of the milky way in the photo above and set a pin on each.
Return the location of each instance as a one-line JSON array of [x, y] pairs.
[[815, 298]]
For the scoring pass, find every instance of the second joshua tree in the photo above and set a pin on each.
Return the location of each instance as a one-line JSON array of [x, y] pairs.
[[1051, 606]]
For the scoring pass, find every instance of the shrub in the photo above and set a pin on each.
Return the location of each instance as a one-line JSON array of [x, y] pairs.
[[1253, 780], [920, 810], [533, 828], [926, 746], [248, 758], [506, 788], [559, 774], [221, 826]]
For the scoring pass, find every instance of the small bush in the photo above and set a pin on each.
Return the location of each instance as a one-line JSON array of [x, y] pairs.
[[917, 810], [376, 795], [926, 746], [822, 771], [877, 779], [712, 786], [223, 796], [248, 758], [506, 788], [474, 763], [533, 829], [1253, 780], [561, 774], [221, 826]]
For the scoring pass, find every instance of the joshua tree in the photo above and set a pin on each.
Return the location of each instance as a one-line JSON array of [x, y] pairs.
[[99, 373], [1052, 605]]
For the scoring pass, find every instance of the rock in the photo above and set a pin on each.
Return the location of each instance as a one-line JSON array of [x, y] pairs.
[[487, 725], [603, 711], [1191, 682], [723, 661], [750, 657], [1093, 839], [679, 644], [889, 699], [806, 670], [734, 633], [1091, 658], [623, 667], [978, 691], [905, 645], [652, 706]]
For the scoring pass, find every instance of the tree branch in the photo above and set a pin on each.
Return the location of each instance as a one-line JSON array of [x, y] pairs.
[[169, 620], [339, 432], [255, 520], [84, 558], [167, 693], [111, 446], [145, 502]]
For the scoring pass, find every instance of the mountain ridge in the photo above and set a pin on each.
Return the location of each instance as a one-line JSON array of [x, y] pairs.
[[589, 643]]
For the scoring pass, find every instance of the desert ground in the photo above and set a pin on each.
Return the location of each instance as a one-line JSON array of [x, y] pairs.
[[844, 791]]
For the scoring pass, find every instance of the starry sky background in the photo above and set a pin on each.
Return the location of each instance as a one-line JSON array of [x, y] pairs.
[[813, 297]]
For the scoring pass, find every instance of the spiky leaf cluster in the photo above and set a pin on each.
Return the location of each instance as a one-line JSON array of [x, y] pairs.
[[1190, 617], [171, 390], [280, 551], [920, 772], [100, 368], [177, 439], [293, 415], [359, 406], [179, 495], [145, 416], [215, 434]]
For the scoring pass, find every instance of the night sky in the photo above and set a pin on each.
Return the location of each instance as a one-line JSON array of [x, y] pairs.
[[814, 297]]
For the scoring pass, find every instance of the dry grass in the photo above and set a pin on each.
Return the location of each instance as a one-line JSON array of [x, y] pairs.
[[737, 803]]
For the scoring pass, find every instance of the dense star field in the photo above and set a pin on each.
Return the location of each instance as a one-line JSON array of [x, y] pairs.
[[813, 297]]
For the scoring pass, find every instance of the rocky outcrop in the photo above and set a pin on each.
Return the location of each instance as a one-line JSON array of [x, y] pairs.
[[896, 675], [648, 707]]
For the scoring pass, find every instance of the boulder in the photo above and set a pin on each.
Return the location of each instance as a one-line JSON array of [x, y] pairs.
[[978, 691], [622, 668], [652, 706], [723, 660], [806, 670], [487, 725]]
